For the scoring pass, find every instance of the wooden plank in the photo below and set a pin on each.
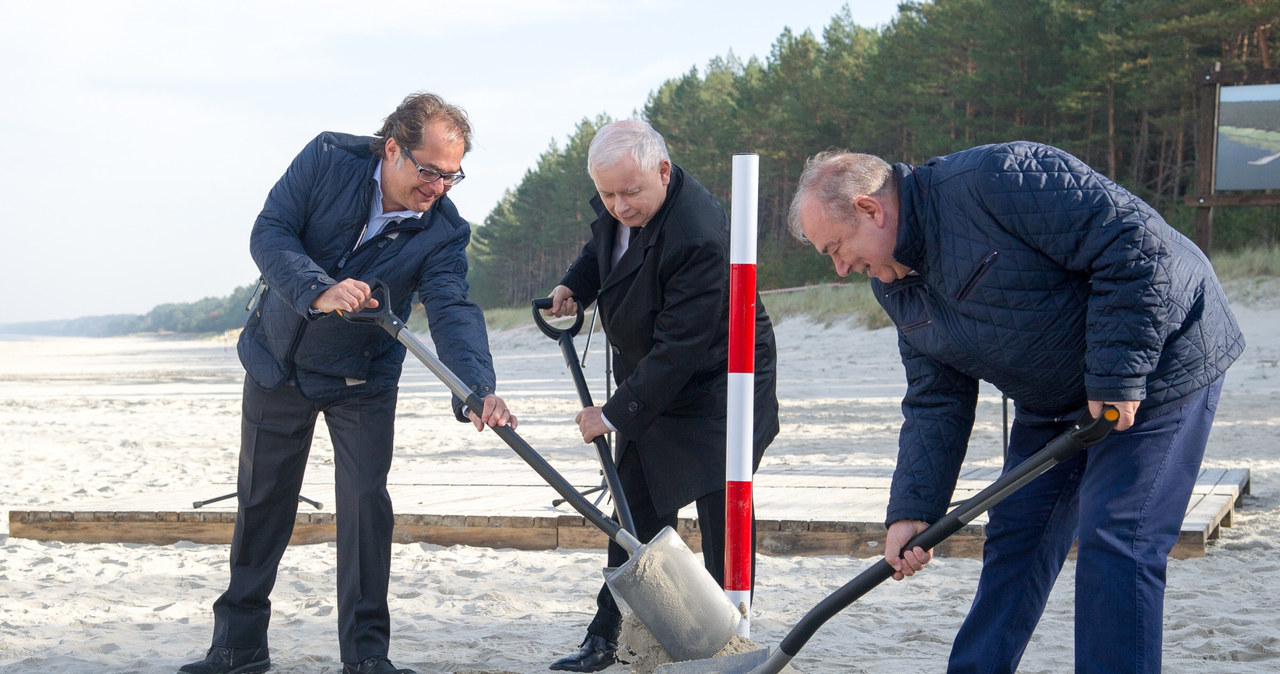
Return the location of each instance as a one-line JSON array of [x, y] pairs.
[[1242, 477], [965, 543], [1231, 199], [573, 532], [1200, 525], [819, 543], [803, 512], [152, 533]]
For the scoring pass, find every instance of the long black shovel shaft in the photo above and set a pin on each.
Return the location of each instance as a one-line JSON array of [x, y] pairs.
[[575, 369], [564, 338], [602, 446], [1061, 448], [509, 436]]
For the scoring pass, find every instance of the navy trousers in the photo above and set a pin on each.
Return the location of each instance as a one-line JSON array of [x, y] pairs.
[[276, 431], [711, 523], [1122, 501]]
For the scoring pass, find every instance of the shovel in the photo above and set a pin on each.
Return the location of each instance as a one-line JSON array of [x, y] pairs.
[[564, 337], [667, 588], [1086, 432]]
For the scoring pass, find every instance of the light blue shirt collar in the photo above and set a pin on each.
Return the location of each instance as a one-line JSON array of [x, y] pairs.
[[377, 219]]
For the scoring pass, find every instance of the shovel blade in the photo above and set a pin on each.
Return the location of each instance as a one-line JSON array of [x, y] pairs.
[[674, 596], [742, 663]]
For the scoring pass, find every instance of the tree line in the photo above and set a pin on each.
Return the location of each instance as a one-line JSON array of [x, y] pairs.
[[1111, 81], [1115, 82], [1251, 115], [208, 315]]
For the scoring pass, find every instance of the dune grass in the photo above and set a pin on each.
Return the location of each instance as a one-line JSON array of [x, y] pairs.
[[826, 304], [831, 303], [1246, 272], [505, 318], [1248, 263]]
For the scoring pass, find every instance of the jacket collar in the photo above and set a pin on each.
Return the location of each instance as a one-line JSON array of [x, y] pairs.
[[913, 189], [443, 210]]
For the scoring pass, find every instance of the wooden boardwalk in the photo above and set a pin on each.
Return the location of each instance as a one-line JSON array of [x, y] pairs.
[[799, 511]]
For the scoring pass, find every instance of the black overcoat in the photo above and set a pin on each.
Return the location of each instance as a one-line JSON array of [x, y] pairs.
[[664, 309]]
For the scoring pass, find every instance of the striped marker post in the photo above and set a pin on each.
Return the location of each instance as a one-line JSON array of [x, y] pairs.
[[741, 412]]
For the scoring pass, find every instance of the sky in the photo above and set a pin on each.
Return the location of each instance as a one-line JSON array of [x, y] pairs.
[[139, 138], [1248, 92]]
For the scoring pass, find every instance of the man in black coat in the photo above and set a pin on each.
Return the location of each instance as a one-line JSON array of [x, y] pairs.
[[657, 266]]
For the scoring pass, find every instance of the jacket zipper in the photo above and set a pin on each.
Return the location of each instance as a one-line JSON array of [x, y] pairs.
[[983, 267], [262, 280], [343, 262], [912, 327]]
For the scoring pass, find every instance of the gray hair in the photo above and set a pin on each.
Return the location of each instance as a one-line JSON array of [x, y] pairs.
[[835, 178], [627, 138]]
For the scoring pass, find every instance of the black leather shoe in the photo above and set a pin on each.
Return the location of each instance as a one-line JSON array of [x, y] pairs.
[[597, 653], [375, 665], [220, 660]]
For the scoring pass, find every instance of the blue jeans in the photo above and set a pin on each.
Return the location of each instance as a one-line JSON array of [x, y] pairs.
[[1123, 501]]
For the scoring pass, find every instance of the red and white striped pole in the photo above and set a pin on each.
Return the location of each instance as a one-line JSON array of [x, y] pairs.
[[741, 412]]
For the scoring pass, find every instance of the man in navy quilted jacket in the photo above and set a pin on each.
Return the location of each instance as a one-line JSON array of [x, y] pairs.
[[348, 210], [1019, 265]]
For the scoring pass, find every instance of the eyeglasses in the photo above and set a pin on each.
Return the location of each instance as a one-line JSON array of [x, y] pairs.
[[429, 176]]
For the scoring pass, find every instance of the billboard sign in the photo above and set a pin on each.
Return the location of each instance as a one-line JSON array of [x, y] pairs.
[[1248, 156]]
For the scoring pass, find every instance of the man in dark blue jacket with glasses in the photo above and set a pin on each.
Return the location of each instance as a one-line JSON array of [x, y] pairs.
[[348, 209], [1018, 264]]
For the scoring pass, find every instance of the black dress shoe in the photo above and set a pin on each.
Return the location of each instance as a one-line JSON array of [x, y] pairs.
[[597, 653], [220, 660], [375, 665]]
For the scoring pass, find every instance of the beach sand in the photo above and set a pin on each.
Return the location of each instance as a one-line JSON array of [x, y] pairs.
[[87, 419]]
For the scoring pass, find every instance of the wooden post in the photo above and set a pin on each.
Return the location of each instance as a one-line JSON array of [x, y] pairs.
[[1204, 199], [1206, 162]]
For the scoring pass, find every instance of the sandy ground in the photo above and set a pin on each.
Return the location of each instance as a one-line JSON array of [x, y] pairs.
[[83, 419]]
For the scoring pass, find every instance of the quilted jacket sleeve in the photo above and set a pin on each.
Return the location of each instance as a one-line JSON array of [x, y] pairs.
[[1089, 225], [456, 323], [276, 241], [938, 414]]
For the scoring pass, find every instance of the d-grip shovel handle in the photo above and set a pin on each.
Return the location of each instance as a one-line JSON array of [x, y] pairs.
[[565, 339], [1086, 432], [544, 303], [382, 316]]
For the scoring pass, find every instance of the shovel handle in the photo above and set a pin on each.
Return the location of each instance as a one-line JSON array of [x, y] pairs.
[[541, 304], [383, 317], [1085, 433], [380, 316], [565, 339]]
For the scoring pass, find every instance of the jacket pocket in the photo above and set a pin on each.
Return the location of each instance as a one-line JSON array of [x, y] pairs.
[[332, 346], [915, 325], [988, 261]]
